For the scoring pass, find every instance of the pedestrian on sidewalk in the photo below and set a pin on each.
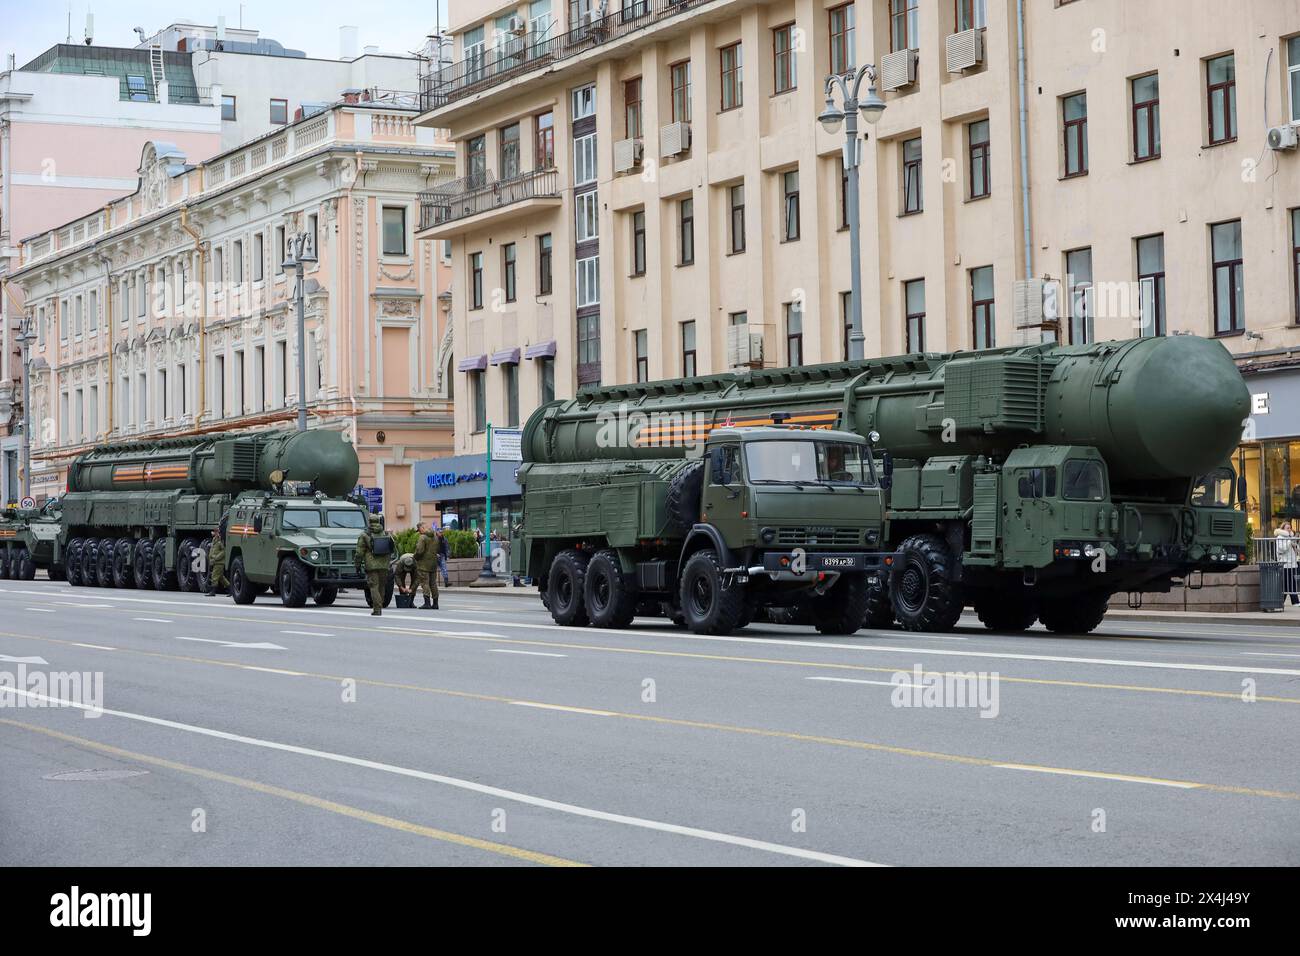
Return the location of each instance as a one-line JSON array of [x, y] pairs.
[[444, 552], [1288, 553]]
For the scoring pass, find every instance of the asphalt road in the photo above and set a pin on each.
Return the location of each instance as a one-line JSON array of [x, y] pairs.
[[482, 734]]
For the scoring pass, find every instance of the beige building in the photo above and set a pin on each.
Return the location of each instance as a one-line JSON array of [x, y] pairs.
[[644, 190], [168, 312]]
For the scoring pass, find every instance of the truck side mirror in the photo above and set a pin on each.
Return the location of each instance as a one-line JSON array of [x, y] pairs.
[[886, 471], [1242, 491]]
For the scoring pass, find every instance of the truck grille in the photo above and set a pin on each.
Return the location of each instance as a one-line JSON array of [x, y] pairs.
[[1221, 525], [341, 556], [841, 537]]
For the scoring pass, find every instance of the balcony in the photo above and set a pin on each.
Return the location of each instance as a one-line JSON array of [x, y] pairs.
[[530, 50], [465, 204]]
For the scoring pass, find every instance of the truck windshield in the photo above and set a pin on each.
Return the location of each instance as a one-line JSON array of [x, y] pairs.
[[301, 518], [1084, 481], [806, 462], [1214, 490], [345, 518]]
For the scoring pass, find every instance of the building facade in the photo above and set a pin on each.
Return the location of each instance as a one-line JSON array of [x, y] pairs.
[[644, 190], [170, 311]]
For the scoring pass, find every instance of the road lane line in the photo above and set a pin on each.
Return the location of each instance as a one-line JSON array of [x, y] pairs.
[[379, 819], [308, 633], [97, 647], [470, 785], [42, 610], [850, 680], [1122, 777], [1263, 654], [572, 710], [155, 620], [503, 650], [79, 604]]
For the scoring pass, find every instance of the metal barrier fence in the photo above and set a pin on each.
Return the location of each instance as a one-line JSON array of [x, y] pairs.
[[1279, 575]]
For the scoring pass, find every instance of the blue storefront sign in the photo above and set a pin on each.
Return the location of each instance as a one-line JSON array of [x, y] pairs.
[[463, 477]]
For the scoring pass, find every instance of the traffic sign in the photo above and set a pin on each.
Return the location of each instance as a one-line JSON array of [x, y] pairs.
[[28, 502], [507, 444]]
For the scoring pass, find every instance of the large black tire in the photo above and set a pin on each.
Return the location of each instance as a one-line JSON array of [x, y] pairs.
[[143, 563], [123, 566], [186, 578], [1012, 612], [880, 611], [324, 596], [241, 589], [72, 562], [710, 606], [609, 594], [293, 582], [163, 580], [682, 503], [843, 608], [104, 562], [1079, 614], [90, 563], [922, 593], [4, 564], [566, 589], [26, 567]]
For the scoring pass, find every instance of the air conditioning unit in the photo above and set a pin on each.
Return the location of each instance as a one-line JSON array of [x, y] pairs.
[[516, 26], [965, 50], [674, 139], [897, 70], [1036, 302], [627, 155], [744, 348], [1282, 137]]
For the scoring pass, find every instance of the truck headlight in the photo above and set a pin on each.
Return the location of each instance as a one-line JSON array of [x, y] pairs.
[[768, 535], [315, 555]]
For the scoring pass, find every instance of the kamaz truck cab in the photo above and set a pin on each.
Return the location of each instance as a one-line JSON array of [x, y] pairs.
[[27, 537], [300, 545]]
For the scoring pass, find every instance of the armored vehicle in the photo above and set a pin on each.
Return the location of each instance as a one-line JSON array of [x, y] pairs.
[[27, 537], [756, 517], [1031, 483], [141, 514]]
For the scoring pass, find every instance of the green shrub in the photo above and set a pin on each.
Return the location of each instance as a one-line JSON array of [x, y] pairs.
[[405, 540], [462, 544]]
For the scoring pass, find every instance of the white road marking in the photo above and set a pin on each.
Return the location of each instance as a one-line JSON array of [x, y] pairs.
[[308, 633], [1263, 654], [155, 620], [276, 670], [851, 680], [98, 647], [502, 650], [41, 610], [79, 604], [24, 660], [497, 792], [1125, 778], [571, 710], [259, 646]]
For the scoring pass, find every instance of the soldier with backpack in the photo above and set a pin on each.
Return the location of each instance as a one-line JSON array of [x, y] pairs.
[[374, 551]]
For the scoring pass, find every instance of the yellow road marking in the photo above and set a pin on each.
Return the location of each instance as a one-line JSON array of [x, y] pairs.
[[683, 722], [379, 819]]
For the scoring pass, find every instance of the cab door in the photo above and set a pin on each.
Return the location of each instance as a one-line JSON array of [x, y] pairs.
[[724, 492], [1028, 516]]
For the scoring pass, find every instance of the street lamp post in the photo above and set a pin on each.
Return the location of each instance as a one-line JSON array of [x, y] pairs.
[[26, 338], [871, 106], [301, 251]]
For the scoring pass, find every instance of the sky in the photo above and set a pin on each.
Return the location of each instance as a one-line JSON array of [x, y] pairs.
[[29, 28]]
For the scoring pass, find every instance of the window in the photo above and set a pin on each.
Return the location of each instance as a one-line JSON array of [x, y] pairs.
[[1078, 271], [641, 345], [846, 319], [546, 379], [1146, 118], [790, 211], [736, 197], [737, 319], [589, 343], [394, 230], [218, 266], [1229, 278], [1083, 481], [228, 108], [904, 24], [279, 250], [844, 196], [1295, 259], [510, 372], [312, 234], [509, 151], [689, 368], [1074, 113], [584, 159], [584, 102], [912, 176], [1221, 98], [680, 78], [589, 281], [472, 48], [137, 89], [843, 59], [632, 108], [1293, 76], [731, 66], [544, 140], [977, 134], [476, 160], [724, 465], [586, 208], [981, 307], [1151, 284], [793, 334], [970, 15], [142, 291], [508, 270], [686, 231], [237, 253], [544, 264], [478, 380], [638, 243], [914, 314], [476, 280], [784, 76], [259, 257], [279, 112]]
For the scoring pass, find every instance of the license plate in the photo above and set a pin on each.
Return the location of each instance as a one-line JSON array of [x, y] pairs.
[[845, 561]]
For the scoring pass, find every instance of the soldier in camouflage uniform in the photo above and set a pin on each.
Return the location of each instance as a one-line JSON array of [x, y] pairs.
[[427, 547], [217, 583], [374, 549], [405, 574]]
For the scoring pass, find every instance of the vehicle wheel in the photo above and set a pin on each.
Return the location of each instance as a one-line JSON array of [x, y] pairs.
[[163, 580], [923, 596], [565, 587], [710, 606], [682, 502], [1079, 614], [880, 612], [72, 562], [186, 579], [104, 562], [843, 609], [324, 596], [1007, 612], [609, 594], [26, 566], [4, 564], [294, 584], [241, 589], [142, 560], [90, 563], [123, 566]]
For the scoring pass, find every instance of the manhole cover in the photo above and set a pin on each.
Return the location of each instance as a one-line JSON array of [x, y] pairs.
[[95, 774]]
